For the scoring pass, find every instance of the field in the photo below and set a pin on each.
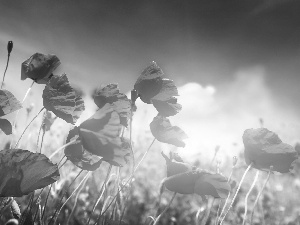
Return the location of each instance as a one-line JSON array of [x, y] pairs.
[[69, 168]]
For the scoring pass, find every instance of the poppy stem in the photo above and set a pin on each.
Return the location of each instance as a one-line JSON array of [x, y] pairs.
[[101, 192], [130, 138], [165, 210], [61, 148], [210, 203], [54, 216], [247, 196], [17, 113], [237, 191], [259, 194], [129, 179], [7, 62], [234, 162], [46, 201], [28, 126]]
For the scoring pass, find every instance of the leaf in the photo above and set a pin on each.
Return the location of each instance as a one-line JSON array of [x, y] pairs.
[[8, 103], [149, 83], [211, 184], [163, 131], [60, 98], [22, 172], [78, 155], [120, 103], [264, 148], [100, 136], [165, 102], [6, 126], [39, 67]]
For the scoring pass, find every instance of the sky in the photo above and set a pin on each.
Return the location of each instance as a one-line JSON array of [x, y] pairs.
[[241, 57]]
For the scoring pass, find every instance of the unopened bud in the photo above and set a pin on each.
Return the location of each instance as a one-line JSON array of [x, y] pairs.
[[9, 46]]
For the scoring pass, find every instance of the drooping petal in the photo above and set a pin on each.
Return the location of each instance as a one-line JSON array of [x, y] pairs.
[[78, 155], [149, 83], [100, 136], [22, 172], [264, 148], [60, 98], [39, 67], [183, 183], [211, 184], [163, 131], [111, 94], [8, 103], [6, 126]]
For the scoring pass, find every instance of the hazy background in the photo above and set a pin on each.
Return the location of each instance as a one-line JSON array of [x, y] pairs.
[[235, 61]]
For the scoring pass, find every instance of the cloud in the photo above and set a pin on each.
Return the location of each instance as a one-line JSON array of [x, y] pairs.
[[214, 116]]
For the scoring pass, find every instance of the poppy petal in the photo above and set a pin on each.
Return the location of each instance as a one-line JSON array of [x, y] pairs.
[[163, 131], [111, 94], [22, 172], [264, 148], [39, 67], [60, 98], [8, 103], [79, 156], [6, 126], [149, 83]]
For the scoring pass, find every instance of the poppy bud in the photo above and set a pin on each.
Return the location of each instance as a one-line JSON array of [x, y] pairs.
[[134, 96], [9, 46], [234, 161]]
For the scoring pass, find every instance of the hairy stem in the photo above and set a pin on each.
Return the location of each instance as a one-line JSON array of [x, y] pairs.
[[259, 194], [165, 210], [237, 191], [247, 196]]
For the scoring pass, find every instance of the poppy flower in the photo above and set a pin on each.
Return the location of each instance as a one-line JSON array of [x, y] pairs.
[[199, 182], [61, 99], [22, 172], [39, 67], [264, 149], [161, 92], [163, 131], [99, 136]]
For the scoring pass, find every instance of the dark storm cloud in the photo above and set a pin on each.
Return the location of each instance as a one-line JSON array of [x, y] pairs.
[[203, 40]]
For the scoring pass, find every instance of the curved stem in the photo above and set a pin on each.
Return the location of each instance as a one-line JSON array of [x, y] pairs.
[[28, 126], [46, 201], [165, 210], [61, 148], [101, 192], [259, 194], [130, 138], [224, 206], [237, 191], [247, 196], [130, 178], [7, 62]]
